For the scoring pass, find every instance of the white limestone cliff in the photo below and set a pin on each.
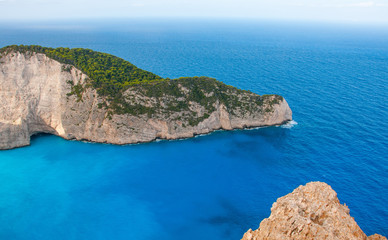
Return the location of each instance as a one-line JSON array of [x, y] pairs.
[[34, 98]]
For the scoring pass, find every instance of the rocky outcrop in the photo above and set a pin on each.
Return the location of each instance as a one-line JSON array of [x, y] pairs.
[[312, 211], [35, 97]]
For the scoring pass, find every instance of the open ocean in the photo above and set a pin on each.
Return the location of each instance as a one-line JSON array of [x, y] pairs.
[[334, 77]]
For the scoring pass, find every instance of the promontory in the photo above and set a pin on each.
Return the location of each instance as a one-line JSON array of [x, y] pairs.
[[87, 95]]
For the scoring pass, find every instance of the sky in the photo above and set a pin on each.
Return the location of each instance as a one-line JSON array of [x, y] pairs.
[[306, 10]]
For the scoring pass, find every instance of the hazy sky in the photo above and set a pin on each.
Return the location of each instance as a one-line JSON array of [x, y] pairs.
[[326, 10]]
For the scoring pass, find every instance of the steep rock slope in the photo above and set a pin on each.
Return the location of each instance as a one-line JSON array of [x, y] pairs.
[[312, 211], [39, 94]]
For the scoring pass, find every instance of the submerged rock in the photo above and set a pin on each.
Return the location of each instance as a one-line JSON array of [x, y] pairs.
[[312, 211]]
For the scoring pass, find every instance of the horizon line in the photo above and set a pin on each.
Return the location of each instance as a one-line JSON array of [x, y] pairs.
[[168, 18]]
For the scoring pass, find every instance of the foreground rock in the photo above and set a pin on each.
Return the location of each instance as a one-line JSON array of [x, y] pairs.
[[309, 212], [39, 94]]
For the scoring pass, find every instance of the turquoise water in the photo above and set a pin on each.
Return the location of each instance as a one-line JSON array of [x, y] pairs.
[[217, 186]]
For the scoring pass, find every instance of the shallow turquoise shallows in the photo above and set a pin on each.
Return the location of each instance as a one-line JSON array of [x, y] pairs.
[[335, 79]]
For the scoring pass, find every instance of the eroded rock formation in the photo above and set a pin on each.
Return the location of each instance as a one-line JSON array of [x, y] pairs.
[[312, 211]]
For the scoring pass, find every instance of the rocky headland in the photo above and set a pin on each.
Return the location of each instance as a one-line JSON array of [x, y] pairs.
[[85, 95], [312, 211]]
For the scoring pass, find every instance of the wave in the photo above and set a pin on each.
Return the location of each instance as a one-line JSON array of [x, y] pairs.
[[290, 124]]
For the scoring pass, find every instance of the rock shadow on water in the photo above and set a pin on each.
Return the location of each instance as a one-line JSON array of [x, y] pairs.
[[261, 145], [231, 218]]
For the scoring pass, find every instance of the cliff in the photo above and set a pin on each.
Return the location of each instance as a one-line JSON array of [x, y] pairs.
[[312, 211], [40, 94]]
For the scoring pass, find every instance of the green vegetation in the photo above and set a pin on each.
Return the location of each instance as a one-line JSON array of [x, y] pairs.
[[276, 98], [127, 89], [173, 97], [76, 90], [109, 74]]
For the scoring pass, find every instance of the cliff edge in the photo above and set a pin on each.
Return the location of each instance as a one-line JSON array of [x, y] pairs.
[[312, 211], [40, 94]]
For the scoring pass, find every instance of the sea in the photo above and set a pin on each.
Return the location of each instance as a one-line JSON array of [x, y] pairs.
[[334, 77]]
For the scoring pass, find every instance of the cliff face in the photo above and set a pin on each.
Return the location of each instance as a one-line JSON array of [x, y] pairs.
[[34, 95], [312, 211]]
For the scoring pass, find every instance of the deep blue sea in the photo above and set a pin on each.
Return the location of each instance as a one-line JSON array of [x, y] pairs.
[[334, 77]]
